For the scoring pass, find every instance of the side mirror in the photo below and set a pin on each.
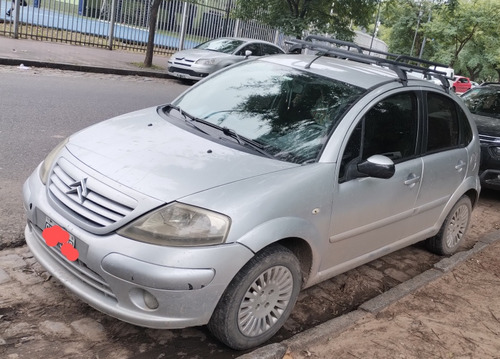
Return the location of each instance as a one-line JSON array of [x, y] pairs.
[[377, 166], [248, 53]]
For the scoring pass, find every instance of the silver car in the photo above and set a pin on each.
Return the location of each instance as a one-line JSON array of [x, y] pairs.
[[210, 56], [267, 178]]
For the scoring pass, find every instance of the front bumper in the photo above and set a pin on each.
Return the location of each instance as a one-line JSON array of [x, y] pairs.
[[143, 284], [186, 73], [490, 179]]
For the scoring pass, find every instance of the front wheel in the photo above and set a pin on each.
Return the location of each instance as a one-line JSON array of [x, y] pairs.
[[258, 300], [450, 235]]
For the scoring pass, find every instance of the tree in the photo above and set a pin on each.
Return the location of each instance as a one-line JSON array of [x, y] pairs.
[[462, 34], [153, 16], [294, 17], [467, 36]]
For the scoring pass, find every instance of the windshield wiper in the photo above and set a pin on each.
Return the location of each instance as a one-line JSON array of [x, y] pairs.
[[189, 119], [242, 141], [246, 141]]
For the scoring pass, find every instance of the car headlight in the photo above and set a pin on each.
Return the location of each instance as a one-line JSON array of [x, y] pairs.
[[49, 160], [206, 62], [179, 224]]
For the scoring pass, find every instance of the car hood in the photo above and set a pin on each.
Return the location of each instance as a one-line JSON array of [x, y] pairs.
[[488, 126], [145, 152], [195, 54]]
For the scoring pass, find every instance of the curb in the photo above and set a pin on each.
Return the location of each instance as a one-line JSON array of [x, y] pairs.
[[84, 68], [334, 327]]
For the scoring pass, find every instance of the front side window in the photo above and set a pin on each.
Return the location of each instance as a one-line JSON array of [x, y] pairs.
[[389, 128], [442, 123], [289, 113], [255, 48]]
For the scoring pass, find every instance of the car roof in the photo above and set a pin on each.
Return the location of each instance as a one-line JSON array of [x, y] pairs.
[[492, 84], [245, 39], [360, 75], [361, 66], [351, 72]]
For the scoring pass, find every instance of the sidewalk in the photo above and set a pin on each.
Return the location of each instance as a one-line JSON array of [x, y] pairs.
[[78, 58]]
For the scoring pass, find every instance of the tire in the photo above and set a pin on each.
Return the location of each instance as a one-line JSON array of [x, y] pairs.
[[451, 234], [245, 318]]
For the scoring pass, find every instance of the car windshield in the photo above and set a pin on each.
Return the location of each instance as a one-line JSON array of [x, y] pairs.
[[483, 101], [227, 46], [288, 112]]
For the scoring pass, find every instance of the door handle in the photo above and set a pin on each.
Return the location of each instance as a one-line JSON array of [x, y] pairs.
[[460, 166], [412, 179]]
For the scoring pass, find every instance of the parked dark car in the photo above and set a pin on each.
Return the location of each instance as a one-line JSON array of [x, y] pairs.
[[484, 103]]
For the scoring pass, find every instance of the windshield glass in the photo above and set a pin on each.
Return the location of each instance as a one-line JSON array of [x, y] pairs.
[[483, 101], [227, 46], [288, 112]]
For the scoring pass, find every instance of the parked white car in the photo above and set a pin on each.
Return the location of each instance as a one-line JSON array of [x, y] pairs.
[[210, 56]]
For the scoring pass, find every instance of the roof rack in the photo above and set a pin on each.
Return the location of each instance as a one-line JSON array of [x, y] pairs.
[[400, 64]]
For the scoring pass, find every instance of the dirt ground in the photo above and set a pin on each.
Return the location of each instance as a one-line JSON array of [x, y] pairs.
[[456, 316]]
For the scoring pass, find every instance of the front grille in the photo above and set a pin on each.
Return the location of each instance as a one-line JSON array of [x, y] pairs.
[[89, 200], [489, 139], [183, 62]]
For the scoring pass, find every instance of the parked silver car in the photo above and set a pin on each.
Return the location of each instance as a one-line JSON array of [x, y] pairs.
[[210, 56], [269, 177]]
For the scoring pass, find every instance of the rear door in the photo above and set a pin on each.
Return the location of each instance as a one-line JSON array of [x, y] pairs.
[[445, 157]]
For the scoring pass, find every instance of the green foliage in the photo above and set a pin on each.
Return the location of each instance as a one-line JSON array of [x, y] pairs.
[[460, 33], [294, 17]]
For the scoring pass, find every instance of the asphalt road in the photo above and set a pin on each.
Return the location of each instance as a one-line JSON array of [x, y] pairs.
[[40, 107]]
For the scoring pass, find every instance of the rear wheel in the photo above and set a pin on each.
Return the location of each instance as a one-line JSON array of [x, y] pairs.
[[450, 235], [259, 299]]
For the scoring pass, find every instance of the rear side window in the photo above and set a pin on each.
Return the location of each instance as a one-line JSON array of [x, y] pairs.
[[442, 123], [270, 50]]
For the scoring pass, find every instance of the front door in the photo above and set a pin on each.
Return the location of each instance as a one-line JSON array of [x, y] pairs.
[[371, 213]]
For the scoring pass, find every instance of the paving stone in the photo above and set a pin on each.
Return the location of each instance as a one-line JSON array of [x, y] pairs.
[[4, 277], [12, 261], [397, 274], [371, 273], [27, 277], [18, 330], [55, 329], [89, 328]]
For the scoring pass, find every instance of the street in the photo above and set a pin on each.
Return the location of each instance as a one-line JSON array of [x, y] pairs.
[[39, 318], [39, 108]]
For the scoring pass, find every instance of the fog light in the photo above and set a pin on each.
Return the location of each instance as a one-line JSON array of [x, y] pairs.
[[150, 300], [143, 299]]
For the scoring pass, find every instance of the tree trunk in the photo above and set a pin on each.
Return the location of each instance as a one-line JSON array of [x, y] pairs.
[[148, 61]]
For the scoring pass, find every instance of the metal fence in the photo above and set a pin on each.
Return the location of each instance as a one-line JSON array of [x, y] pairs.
[[123, 24]]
